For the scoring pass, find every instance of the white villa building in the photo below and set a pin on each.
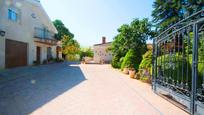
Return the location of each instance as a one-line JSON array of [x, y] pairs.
[[26, 34], [101, 53]]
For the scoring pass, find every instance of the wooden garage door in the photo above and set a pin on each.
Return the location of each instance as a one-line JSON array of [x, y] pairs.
[[16, 54]]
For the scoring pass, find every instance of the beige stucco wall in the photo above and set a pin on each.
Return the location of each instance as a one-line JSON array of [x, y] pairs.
[[54, 53], [2, 52], [2, 40], [23, 29], [59, 44], [43, 53], [100, 53]]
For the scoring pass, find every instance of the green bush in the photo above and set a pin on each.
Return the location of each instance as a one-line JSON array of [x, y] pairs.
[[45, 61], [130, 60], [146, 61], [116, 62], [72, 57], [86, 52], [184, 65], [174, 71], [145, 79], [121, 60], [36, 63], [58, 60]]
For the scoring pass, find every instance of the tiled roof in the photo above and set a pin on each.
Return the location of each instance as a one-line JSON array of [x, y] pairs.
[[103, 44]]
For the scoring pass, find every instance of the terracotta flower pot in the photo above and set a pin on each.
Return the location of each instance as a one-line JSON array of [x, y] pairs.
[[137, 76], [125, 70], [132, 73]]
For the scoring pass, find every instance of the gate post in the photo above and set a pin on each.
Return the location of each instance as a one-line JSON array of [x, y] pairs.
[[194, 69], [154, 64]]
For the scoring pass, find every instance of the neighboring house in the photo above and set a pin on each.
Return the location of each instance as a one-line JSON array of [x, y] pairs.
[[29, 34], [149, 46], [101, 53]]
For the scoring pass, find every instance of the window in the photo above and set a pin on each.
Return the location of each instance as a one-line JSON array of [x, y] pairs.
[[12, 15], [33, 15]]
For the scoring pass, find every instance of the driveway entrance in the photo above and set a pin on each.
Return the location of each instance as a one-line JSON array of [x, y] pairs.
[[74, 89]]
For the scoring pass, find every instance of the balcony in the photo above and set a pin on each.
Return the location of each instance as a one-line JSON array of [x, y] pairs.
[[43, 33], [34, 2], [44, 36]]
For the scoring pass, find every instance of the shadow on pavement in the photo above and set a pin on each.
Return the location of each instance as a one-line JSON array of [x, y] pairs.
[[37, 86]]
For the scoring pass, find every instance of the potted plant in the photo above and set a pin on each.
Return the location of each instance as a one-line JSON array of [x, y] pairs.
[[129, 63], [138, 76], [101, 61], [35, 63], [45, 61], [126, 70], [83, 61], [132, 72], [146, 79]]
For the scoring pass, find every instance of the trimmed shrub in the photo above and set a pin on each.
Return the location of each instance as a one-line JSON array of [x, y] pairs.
[[121, 60], [174, 70], [72, 57], [58, 60], [116, 62], [130, 60], [146, 61]]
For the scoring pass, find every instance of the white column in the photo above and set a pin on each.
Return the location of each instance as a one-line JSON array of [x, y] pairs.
[[54, 54]]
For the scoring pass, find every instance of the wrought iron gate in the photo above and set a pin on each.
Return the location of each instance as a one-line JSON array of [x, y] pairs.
[[178, 63]]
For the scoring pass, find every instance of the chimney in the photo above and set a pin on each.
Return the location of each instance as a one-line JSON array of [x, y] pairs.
[[103, 40]]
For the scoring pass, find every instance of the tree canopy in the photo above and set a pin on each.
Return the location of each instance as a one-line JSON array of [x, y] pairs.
[[168, 12], [86, 52], [70, 46], [132, 36], [147, 60], [62, 30]]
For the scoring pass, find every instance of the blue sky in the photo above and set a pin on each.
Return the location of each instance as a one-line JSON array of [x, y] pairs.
[[89, 20]]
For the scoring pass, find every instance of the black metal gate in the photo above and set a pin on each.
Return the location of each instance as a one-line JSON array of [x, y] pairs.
[[178, 64]]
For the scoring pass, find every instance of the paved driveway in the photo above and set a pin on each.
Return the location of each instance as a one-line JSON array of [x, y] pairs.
[[73, 89]]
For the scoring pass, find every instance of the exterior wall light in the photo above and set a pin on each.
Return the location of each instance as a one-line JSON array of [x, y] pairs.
[[2, 33]]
